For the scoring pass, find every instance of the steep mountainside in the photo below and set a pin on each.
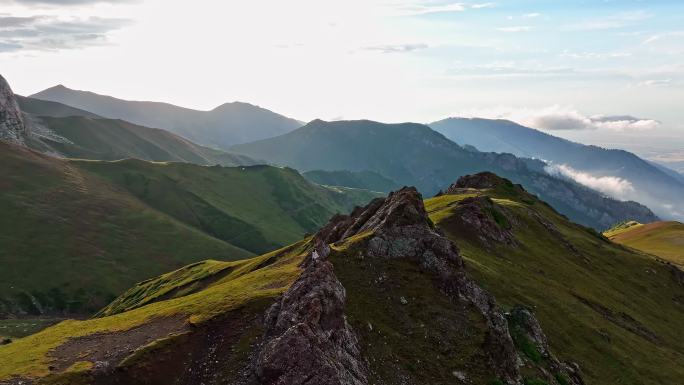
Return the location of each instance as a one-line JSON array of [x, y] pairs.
[[651, 185], [367, 180], [107, 139], [228, 124], [39, 107], [664, 239], [616, 312], [413, 154], [74, 234], [377, 297]]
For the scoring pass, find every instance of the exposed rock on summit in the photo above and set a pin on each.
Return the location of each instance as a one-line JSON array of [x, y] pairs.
[[401, 229]]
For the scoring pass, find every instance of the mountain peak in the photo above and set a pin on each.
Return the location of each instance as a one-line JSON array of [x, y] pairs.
[[483, 180]]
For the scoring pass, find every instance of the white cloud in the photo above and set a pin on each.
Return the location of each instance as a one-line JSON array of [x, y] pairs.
[[619, 20], [531, 15], [483, 5], [565, 118], [658, 37], [518, 28], [610, 185], [397, 48], [417, 9], [421, 9], [51, 33]]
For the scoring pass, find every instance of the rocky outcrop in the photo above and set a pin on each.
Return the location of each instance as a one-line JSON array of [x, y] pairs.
[[12, 127], [530, 337], [400, 228], [308, 340], [485, 220], [483, 180]]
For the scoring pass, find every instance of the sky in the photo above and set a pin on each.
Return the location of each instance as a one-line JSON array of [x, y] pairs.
[[607, 72]]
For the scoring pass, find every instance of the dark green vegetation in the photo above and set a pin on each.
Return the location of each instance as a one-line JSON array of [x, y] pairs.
[[221, 127], [75, 234], [367, 180], [414, 155], [407, 327], [663, 239], [616, 312], [655, 186]]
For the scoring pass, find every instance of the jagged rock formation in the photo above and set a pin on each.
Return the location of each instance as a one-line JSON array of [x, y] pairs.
[[401, 229], [12, 127], [308, 337], [528, 333], [308, 340], [482, 180]]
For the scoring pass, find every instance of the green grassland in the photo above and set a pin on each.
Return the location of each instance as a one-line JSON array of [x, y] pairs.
[[616, 312], [76, 234], [664, 239], [257, 208], [243, 284]]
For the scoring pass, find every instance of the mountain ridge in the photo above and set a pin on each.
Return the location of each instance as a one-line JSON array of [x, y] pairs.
[[414, 154], [226, 124]]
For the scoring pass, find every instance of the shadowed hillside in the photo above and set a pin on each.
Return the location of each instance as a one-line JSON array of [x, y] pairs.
[[77, 233], [413, 154]]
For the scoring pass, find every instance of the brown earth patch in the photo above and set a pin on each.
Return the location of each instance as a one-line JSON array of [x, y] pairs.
[[109, 349]]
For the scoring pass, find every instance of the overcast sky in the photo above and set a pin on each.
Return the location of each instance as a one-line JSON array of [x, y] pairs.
[[596, 71]]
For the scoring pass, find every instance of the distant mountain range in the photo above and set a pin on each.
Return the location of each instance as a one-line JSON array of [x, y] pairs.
[[414, 154], [226, 125], [654, 185], [58, 129]]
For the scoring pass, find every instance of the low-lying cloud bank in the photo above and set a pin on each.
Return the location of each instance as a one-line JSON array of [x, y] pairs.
[[612, 186], [558, 117], [622, 189]]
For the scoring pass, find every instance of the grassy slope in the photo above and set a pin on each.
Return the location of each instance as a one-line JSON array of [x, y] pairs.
[[258, 208], [111, 139], [368, 180], [632, 289], [236, 285], [424, 340], [664, 239], [63, 230], [77, 233]]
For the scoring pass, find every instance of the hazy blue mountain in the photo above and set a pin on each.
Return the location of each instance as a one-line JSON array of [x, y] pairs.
[[367, 180], [414, 154], [40, 107], [228, 124], [653, 185], [113, 139]]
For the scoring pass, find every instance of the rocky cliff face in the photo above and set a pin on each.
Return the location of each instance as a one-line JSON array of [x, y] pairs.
[[12, 127], [308, 339]]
